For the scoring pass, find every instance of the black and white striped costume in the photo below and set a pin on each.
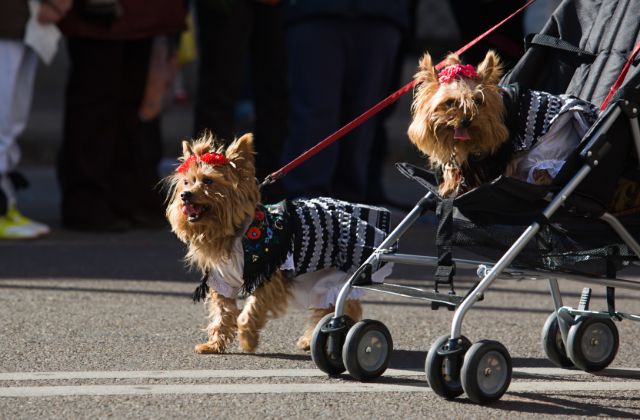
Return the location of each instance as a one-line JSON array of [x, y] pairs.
[[334, 233], [531, 113], [329, 239], [532, 118]]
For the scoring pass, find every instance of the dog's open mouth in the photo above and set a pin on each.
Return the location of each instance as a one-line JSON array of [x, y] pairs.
[[461, 134], [193, 211]]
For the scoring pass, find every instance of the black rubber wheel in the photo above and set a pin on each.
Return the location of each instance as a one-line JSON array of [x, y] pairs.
[[330, 364], [442, 384], [486, 371], [593, 343], [552, 343], [367, 350]]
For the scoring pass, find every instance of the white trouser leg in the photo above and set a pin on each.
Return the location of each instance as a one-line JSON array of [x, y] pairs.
[[18, 65]]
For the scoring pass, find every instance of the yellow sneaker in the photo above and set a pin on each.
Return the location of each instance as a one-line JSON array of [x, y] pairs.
[[14, 215], [9, 229]]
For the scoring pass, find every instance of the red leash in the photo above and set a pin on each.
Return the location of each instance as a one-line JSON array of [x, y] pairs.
[[273, 177], [620, 78]]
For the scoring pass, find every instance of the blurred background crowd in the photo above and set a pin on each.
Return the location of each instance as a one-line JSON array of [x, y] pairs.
[[290, 71]]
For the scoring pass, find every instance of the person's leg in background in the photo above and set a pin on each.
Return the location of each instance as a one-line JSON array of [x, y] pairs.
[[18, 66], [269, 86], [138, 149], [372, 49], [223, 37], [316, 69], [86, 164]]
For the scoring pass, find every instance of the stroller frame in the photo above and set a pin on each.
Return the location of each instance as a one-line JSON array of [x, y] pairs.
[[337, 343]]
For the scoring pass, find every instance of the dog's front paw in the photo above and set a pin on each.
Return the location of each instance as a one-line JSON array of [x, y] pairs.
[[211, 347], [304, 343], [248, 340]]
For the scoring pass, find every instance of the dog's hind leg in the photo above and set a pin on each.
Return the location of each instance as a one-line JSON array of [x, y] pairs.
[[270, 300], [352, 308], [221, 330]]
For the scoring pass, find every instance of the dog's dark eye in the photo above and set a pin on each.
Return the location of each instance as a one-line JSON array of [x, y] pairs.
[[450, 103], [186, 182], [477, 101], [207, 181]]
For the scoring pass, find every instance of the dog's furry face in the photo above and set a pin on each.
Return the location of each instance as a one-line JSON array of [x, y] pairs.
[[460, 117], [211, 195]]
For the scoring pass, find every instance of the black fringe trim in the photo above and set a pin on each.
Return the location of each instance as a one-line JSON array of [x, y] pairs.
[[202, 290]]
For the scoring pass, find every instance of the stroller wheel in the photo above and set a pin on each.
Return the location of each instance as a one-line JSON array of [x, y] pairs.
[[593, 343], [446, 385], [326, 346], [552, 343], [367, 350], [486, 371]]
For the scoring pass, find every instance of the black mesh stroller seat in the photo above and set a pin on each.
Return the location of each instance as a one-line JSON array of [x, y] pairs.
[[584, 226]]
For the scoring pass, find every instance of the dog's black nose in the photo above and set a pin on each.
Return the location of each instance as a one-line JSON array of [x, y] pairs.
[[186, 195], [465, 123]]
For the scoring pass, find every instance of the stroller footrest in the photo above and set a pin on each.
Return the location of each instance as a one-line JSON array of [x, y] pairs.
[[414, 292]]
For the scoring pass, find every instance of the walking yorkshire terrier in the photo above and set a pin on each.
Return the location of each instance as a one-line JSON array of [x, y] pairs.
[[473, 130], [301, 250]]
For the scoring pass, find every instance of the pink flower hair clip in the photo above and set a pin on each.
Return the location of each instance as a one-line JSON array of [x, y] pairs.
[[211, 158], [455, 71]]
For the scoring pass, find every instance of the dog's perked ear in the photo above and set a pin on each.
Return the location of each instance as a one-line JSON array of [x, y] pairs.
[[490, 69], [186, 148], [240, 151], [427, 73]]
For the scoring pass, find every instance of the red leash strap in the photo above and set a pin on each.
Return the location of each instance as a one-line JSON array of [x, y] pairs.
[[271, 178], [620, 78]]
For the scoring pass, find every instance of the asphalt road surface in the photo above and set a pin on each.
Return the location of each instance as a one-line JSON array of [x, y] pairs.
[[97, 326]]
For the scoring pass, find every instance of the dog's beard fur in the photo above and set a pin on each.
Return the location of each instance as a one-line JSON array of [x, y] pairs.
[[221, 200], [439, 109]]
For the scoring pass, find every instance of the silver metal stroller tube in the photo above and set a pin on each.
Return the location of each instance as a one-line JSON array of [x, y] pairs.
[[622, 232], [402, 227], [513, 251], [503, 263]]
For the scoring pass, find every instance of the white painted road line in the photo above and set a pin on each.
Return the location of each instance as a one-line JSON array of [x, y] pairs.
[[183, 374], [344, 387], [518, 385], [272, 373], [50, 391]]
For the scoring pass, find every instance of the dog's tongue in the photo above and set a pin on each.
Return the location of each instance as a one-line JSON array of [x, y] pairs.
[[190, 210], [461, 134]]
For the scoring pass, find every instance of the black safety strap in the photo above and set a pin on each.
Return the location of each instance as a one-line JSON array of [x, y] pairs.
[[556, 43], [446, 268], [611, 291]]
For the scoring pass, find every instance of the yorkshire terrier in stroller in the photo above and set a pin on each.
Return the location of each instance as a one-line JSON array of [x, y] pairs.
[[300, 250], [473, 130]]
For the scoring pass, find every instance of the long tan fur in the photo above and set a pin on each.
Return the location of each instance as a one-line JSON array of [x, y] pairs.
[[437, 109], [229, 193]]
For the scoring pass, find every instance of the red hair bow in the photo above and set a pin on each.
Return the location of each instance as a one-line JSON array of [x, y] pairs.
[[450, 73], [212, 158]]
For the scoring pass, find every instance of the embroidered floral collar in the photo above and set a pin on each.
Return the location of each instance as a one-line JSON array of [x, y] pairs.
[[266, 243]]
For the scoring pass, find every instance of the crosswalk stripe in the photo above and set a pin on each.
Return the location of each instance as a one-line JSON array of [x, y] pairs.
[[273, 373], [343, 387], [182, 374], [49, 391]]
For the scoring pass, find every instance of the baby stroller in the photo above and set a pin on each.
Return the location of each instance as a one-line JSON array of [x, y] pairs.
[[583, 227]]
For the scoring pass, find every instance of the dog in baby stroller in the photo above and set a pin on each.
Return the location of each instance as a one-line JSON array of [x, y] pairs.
[[472, 130], [580, 223]]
